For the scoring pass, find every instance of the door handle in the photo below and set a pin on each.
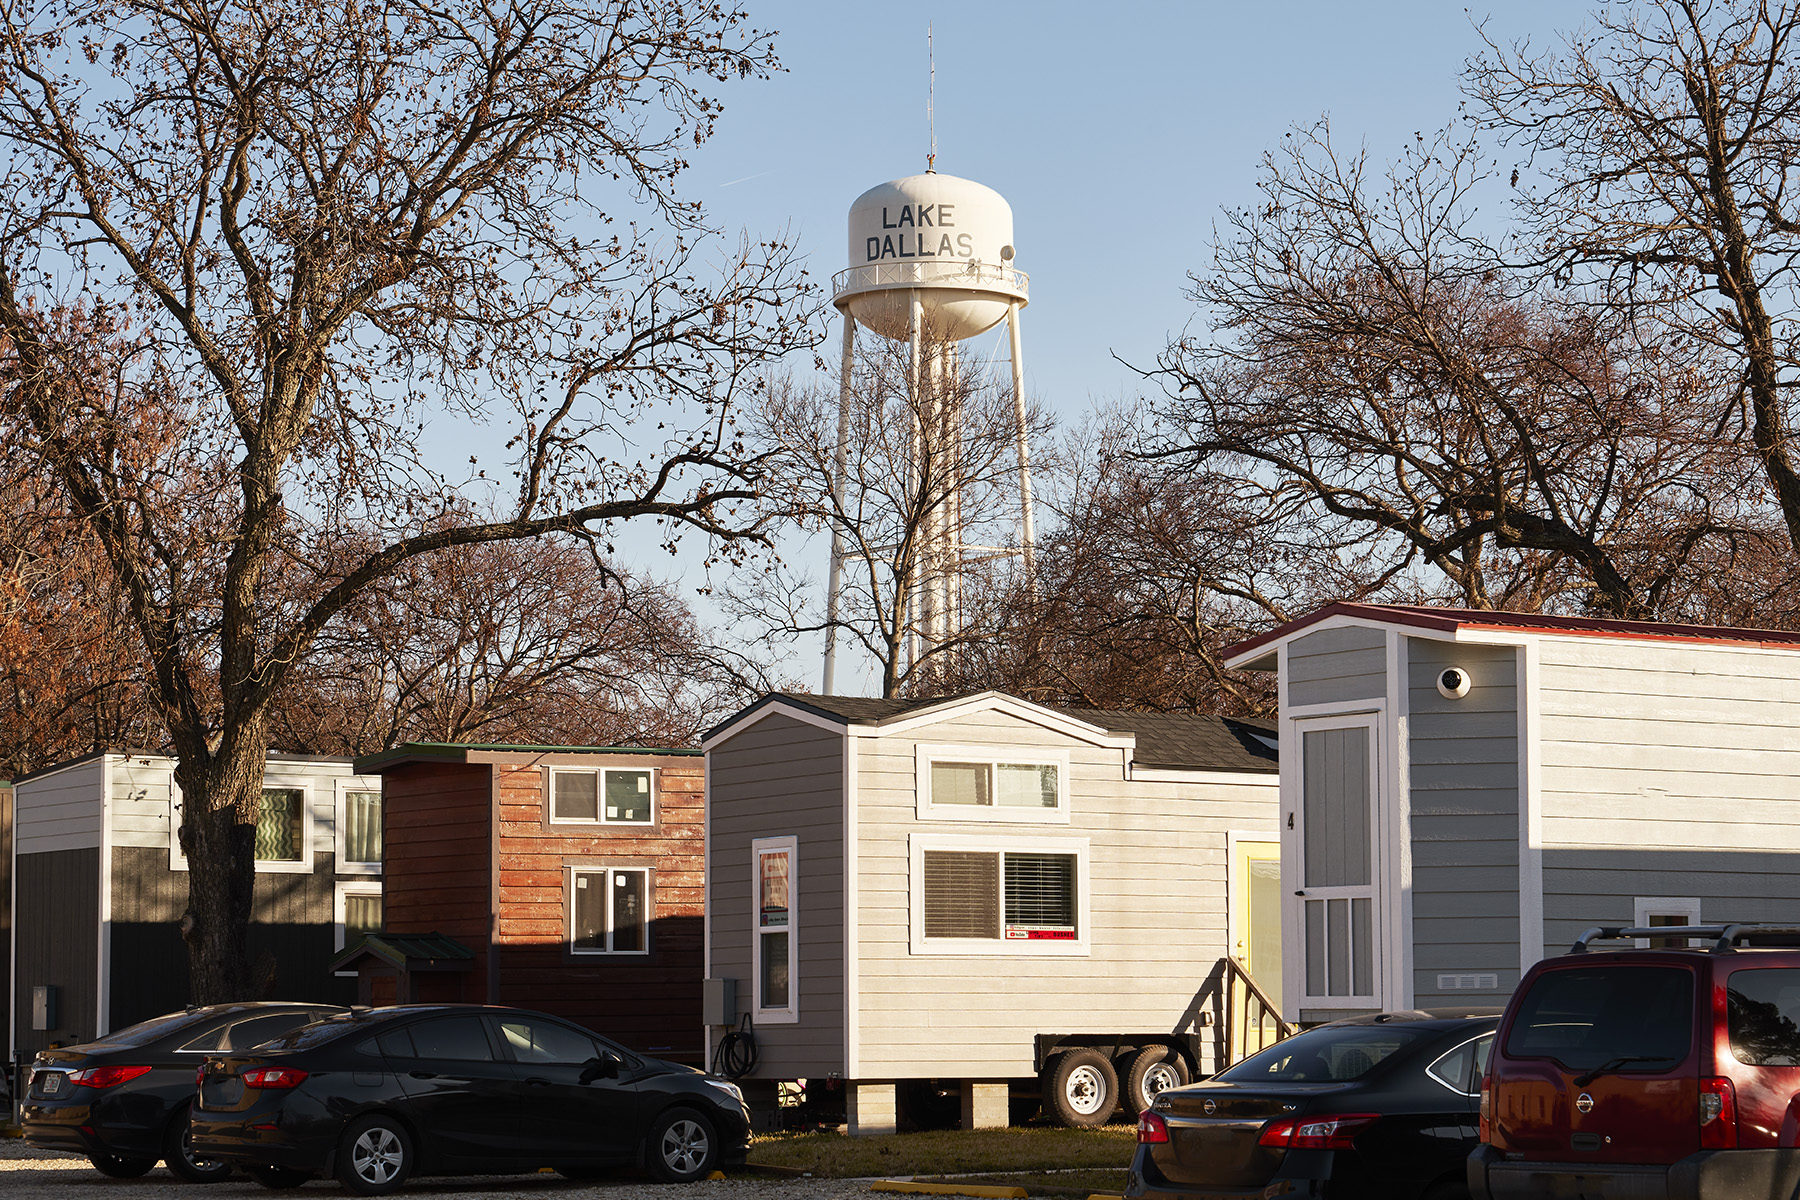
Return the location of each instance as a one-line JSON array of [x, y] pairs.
[[423, 1074]]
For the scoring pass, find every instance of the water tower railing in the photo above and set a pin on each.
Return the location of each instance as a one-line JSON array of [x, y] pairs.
[[961, 272]]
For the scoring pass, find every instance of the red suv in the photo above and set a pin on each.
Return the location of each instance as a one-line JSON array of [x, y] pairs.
[[1648, 1072]]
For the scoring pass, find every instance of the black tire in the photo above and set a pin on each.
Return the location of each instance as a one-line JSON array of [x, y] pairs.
[[374, 1156], [1153, 1070], [178, 1156], [118, 1166], [682, 1146], [1447, 1189], [277, 1178], [1081, 1089]]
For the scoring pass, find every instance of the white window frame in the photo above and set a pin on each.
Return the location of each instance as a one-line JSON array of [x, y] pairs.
[[1078, 947], [993, 756], [264, 866], [354, 887], [608, 871], [600, 817], [759, 847], [1645, 907], [346, 785]]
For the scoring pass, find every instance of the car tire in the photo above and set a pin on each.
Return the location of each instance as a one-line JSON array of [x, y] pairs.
[[1153, 1070], [119, 1166], [178, 1156], [277, 1179], [1447, 1189], [1081, 1089], [374, 1156], [682, 1147]]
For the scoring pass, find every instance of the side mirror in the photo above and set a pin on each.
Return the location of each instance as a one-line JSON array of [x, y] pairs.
[[605, 1067]]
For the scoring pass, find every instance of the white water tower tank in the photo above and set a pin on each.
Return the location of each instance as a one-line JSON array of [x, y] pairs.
[[947, 241]]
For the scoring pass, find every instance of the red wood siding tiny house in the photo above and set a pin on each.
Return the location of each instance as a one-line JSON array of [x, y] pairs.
[[474, 852]]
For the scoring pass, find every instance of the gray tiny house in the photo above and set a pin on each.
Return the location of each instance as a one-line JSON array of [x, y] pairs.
[[1464, 792], [969, 891], [100, 884]]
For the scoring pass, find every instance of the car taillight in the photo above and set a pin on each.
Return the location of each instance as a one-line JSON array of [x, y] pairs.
[[1279, 1133], [1486, 1121], [1152, 1129], [272, 1078], [1332, 1133], [105, 1077], [1718, 1114]]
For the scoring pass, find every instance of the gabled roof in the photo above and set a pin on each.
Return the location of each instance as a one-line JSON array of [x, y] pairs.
[[1455, 620], [1179, 741], [407, 952], [458, 752]]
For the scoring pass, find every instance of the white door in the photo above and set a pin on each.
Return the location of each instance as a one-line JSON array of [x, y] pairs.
[[1338, 916]]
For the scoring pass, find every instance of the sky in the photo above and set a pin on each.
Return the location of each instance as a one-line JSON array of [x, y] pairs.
[[1117, 133]]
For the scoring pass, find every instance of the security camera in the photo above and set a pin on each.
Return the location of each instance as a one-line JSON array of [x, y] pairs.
[[1453, 683]]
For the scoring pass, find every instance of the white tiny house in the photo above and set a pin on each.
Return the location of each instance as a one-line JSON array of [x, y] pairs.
[[973, 890]]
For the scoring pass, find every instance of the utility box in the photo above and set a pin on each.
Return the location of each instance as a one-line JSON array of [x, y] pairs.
[[43, 1007], [718, 1001]]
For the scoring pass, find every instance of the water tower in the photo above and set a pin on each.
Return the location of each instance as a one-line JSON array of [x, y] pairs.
[[932, 265]]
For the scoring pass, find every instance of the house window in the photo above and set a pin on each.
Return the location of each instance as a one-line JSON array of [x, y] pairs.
[[964, 783], [281, 825], [358, 828], [601, 797], [999, 896], [359, 912], [610, 912], [774, 947], [1649, 912]]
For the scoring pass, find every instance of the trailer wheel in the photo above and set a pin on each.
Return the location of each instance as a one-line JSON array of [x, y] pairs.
[[1081, 1089], [1153, 1070]]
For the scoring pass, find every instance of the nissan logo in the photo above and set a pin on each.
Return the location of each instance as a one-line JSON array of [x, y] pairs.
[[1584, 1103], [1209, 1108]]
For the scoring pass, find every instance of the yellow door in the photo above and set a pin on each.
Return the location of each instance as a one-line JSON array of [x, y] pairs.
[[1256, 940]]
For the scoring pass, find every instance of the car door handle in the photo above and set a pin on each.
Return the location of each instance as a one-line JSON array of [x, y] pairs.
[[423, 1074]]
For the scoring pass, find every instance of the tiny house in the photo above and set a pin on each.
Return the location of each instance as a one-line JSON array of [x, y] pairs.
[[100, 886], [571, 876], [1463, 792], [972, 891]]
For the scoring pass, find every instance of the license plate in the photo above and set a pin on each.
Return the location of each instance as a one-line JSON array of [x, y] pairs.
[[50, 1083]]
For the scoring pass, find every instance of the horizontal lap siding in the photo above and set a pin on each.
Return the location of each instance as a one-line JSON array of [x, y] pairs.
[[435, 831], [1669, 770], [650, 1003], [60, 811], [782, 777], [1158, 922], [1464, 762], [1337, 665]]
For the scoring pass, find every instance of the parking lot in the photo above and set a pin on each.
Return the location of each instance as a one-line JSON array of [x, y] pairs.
[[28, 1174]]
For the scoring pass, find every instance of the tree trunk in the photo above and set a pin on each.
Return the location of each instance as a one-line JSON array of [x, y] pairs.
[[220, 797]]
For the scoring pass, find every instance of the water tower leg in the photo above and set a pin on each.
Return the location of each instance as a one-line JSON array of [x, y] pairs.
[[917, 562], [1027, 538], [840, 465]]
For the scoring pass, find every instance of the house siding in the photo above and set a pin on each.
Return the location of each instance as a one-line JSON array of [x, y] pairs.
[[61, 810], [1336, 666], [436, 834], [1153, 848], [1464, 809], [1653, 753], [58, 938], [782, 777]]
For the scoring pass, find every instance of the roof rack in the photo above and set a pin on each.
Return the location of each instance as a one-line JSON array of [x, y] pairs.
[[1727, 936]]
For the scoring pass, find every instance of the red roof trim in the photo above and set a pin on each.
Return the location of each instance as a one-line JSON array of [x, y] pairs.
[[1449, 620]]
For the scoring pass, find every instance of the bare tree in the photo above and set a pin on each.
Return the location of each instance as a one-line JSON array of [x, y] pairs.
[[1667, 135], [943, 453], [304, 234], [1370, 359]]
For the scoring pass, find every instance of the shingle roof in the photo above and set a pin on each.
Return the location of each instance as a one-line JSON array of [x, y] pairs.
[[1183, 741], [410, 951]]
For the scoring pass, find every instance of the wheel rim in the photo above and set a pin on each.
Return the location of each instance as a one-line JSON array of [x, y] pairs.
[[1086, 1090], [194, 1161], [684, 1146], [1158, 1079], [376, 1157]]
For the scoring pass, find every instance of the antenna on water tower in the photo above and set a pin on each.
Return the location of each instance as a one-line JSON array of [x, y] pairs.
[[931, 265], [931, 102]]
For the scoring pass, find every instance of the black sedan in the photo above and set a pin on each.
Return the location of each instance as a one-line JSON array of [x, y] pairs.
[[123, 1100], [1379, 1107], [380, 1095]]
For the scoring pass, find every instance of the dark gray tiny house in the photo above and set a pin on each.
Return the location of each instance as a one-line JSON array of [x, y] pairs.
[[1464, 792], [100, 885], [961, 890]]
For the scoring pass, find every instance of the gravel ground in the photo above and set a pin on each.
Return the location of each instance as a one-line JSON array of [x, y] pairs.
[[28, 1174]]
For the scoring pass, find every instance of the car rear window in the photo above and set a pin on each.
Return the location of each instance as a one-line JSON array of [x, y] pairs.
[[145, 1032], [1586, 1017], [1324, 1055], [316, 1034], [1762, 1008]]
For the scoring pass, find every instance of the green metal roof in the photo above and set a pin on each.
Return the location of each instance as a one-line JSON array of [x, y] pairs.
[[408, 951], [370, 764]]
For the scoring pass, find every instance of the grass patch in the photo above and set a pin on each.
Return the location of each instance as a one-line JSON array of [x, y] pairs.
[[1060, 1183], [949, 1152]]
